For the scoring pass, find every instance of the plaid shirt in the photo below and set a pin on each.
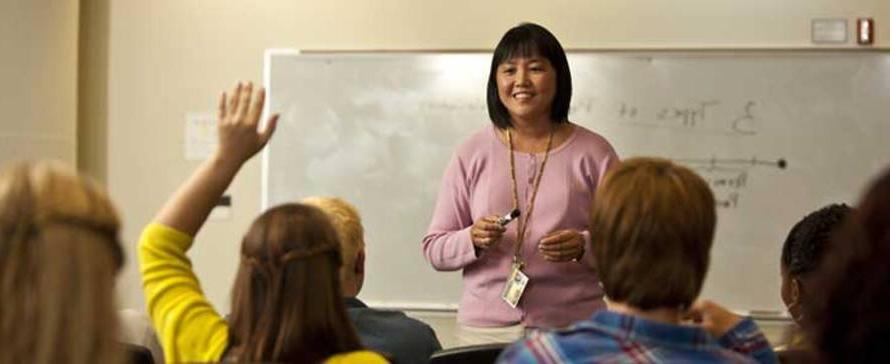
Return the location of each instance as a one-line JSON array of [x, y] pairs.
[[609, 337]]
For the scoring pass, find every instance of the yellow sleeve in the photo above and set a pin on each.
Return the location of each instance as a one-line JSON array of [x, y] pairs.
[[357, 357], [188, 327]]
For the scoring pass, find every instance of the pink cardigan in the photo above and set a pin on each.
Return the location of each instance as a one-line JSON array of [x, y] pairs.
[[476, 184]]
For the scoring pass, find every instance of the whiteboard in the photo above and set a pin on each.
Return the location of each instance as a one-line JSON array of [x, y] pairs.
[[379, 129]]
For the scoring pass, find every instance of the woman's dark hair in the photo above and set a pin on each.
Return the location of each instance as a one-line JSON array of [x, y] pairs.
[[286, 302], [526, 40], [849, 317], [805, 244]]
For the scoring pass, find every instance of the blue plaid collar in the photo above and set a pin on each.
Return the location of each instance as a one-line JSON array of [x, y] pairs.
[[628, 327]]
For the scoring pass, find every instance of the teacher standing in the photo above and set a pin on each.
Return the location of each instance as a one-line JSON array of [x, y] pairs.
[[534, 160]]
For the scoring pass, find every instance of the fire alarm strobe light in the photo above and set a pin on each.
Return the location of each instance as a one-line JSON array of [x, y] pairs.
[[865, 31]]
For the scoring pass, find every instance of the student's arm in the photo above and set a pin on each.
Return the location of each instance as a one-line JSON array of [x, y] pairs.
[[189, 328], [745, 338], [736, 333]]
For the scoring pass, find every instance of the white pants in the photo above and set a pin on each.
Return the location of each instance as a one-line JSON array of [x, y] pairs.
[[472, 335]]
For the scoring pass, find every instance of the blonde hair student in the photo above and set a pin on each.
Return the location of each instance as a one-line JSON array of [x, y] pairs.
[[59, 255], [404, 339], [348, 224], [286, 302]]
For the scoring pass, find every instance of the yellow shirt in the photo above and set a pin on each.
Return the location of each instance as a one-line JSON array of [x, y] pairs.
[[357, 357], [188, 327]]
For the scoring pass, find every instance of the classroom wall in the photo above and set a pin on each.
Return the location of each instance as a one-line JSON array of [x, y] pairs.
[[38, 74], [148, 63]]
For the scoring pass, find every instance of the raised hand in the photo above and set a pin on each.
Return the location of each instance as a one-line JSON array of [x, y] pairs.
[[238, 120], [239, 139]]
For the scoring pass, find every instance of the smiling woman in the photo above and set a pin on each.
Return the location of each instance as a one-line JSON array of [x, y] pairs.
[[526, 86], [535, 160]]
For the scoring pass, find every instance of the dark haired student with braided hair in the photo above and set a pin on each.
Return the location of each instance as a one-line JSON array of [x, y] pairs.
[[801, 254]]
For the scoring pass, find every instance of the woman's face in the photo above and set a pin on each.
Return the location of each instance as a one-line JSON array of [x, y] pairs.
[[526, 86]]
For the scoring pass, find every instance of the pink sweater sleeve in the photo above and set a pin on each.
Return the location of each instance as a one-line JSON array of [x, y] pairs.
[[447, 245], [607, 163]]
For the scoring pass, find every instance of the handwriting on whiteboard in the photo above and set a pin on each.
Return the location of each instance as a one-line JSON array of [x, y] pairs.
[[711, 116], [728, 177], [707, 116]]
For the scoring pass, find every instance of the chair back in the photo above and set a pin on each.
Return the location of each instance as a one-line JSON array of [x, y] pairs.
[[473, 354], [137, 354]]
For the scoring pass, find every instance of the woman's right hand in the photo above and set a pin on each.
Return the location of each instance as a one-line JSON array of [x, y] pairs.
[[238, 117], [486, 232]]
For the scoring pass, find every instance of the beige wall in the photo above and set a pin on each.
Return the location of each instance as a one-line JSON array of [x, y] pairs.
[[38, 74], [148, 63]]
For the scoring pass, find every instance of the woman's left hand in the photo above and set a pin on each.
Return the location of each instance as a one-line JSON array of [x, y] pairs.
[[562, 245]]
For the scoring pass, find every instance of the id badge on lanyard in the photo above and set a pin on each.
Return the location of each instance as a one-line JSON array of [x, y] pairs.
[[515, 286], [517, 280]]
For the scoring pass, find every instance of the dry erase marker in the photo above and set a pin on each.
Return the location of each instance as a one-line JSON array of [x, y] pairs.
[[504, 220]]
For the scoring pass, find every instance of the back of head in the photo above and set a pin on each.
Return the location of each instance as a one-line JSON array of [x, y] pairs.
[[850, 318], [805, 244], [348, 224], [802, 253], [286, 301], [59, 254], [652, 227]]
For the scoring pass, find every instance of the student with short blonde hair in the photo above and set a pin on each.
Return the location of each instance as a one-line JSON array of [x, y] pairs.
[[59, 256], [651, 229], [348, 224], [407, 340]]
